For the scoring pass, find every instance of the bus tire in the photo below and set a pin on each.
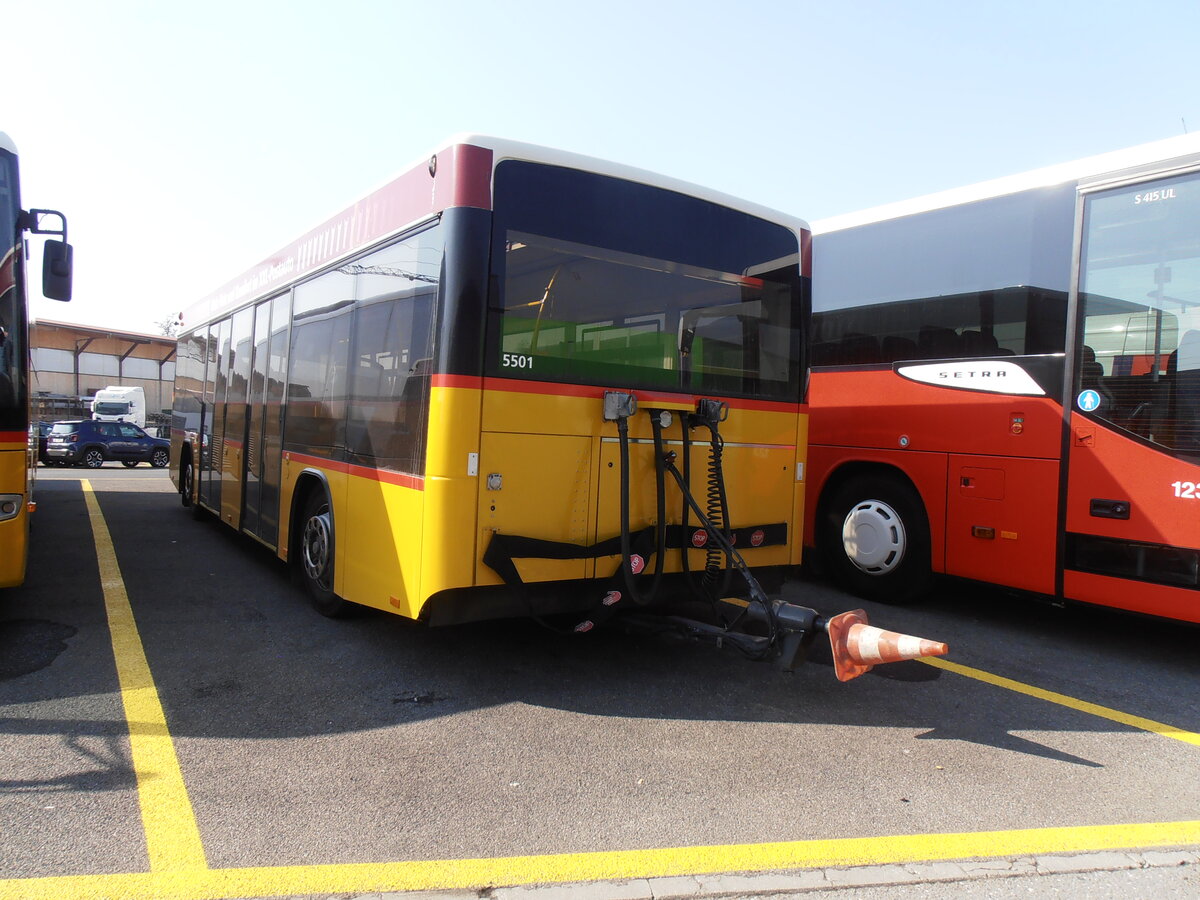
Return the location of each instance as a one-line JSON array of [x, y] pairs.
[[317, 555], [874, 539]]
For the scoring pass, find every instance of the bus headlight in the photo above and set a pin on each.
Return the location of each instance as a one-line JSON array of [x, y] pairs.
[[10, 505]]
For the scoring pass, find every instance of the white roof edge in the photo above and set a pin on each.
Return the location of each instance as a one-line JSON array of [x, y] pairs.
[[503, 148], [1048, 176], [508, 149], [6, 143]]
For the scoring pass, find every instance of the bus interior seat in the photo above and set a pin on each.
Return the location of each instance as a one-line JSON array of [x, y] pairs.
[[859, 349], [979, 344], [935, 342], [1091, 373], [895, 348]]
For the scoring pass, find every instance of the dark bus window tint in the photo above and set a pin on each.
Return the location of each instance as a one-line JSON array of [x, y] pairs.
[[317, 365], [239, 364], [13, 352], [603, 281], [1140, 302], [189, 382], [397, 289], [983, 279], [272, 435]]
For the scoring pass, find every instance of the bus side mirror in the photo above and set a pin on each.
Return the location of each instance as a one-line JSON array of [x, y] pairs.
[[57, 266]]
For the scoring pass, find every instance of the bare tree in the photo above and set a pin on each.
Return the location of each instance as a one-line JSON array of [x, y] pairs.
[[169, 326]]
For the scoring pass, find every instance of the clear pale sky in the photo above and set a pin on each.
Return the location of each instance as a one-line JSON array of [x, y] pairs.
[[186, 142]]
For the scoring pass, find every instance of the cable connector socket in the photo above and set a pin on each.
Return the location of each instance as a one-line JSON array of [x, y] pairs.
[[619, 405]]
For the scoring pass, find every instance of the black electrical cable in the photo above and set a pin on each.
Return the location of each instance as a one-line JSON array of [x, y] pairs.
[[757, 594], [718, 512], [661, 530]]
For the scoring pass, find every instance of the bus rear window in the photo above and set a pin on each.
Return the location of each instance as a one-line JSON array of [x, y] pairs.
[[694, 303]]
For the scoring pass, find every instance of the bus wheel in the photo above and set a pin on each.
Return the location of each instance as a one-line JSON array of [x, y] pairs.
[[316, 556], [874, 539], [187, 482]]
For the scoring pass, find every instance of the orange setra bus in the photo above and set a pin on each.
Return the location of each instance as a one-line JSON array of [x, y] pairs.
[[1006, 386]]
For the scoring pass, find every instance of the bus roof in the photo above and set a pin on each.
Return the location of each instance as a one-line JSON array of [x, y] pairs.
[[1076, 170], [406, 200]]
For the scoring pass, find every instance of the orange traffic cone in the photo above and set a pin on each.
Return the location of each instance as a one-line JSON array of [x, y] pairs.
[[859, 646]]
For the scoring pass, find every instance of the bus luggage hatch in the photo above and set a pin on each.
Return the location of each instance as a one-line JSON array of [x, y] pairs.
[[537, 486]]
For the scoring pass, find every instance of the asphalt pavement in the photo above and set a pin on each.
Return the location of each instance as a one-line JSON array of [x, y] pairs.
[[300, 756]]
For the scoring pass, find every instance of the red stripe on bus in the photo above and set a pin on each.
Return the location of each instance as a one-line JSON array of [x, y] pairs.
[[644, 398], [386, 476], [14, 437], [473, 382]]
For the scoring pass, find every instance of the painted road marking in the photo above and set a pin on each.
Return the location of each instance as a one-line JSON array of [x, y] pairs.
[[466, 874], [178, 870], [172, 835], [1093, 709]]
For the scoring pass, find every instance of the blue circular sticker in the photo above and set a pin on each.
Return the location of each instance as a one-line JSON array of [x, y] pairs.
[[1088, 400]]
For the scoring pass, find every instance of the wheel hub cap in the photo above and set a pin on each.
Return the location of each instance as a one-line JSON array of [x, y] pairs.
[[873, 537]]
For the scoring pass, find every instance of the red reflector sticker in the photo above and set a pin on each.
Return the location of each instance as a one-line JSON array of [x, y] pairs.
[[585, 625], [699, 537], [757, 538], [611, 597], [636, 564]]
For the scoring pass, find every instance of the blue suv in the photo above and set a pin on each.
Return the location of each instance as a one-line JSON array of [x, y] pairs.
[[91, 444]]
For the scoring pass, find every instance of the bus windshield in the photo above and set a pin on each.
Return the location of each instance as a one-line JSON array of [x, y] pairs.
[[594, 287], [12, 305], [1140, 298]]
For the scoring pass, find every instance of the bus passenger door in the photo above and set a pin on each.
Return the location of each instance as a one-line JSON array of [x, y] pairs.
[[251, 508], [1133, 489], [234, 443]]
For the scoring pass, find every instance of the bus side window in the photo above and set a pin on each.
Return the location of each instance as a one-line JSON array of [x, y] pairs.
[[1185, 405]]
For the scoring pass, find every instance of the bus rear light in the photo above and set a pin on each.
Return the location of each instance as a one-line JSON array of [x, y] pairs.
[[10, 505]]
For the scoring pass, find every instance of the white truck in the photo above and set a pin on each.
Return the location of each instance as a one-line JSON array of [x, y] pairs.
[[120, 404]]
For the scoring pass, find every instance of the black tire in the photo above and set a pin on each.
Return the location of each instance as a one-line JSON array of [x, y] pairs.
[[160, 458], [129, 463], [874, 539], [93, 457], [187, 482], [316, 555]]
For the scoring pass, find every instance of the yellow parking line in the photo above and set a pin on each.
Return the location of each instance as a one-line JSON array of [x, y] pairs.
[[172, 836], [1103, 712], [178, 870], [467, 874]]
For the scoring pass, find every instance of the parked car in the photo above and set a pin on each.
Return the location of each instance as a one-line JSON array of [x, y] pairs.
[[88, 443], [40, 431]]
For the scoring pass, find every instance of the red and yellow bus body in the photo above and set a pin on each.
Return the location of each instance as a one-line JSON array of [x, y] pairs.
[[505, 451]]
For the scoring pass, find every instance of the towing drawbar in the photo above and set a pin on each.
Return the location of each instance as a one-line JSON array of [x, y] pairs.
[[856, 644]]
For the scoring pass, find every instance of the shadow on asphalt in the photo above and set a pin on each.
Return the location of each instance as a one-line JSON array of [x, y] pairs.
[[236, 651]]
